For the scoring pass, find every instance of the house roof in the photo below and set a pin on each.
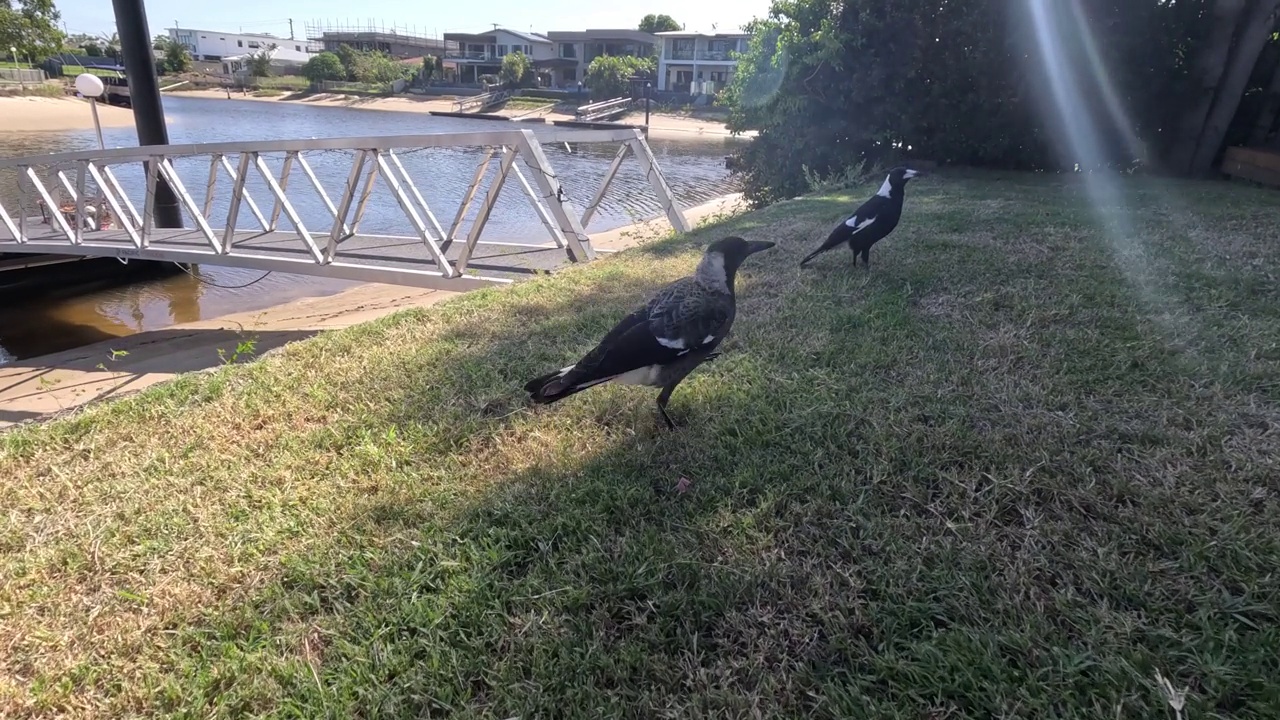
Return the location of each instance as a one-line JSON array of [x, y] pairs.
[[698, 33], [530, 37], [602, 34]]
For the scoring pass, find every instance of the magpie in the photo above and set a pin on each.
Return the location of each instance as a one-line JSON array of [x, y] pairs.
[[664, 340], [871, 222]]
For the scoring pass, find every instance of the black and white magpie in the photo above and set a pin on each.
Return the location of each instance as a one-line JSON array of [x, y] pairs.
[[871, 222], [663, 341]]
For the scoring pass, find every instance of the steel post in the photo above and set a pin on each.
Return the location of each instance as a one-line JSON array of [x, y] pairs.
[[144, 96]]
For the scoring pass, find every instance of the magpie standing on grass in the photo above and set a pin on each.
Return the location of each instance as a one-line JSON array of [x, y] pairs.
[[660, 343], [873, 221]]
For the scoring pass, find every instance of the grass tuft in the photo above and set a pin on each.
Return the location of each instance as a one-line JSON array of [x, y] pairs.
[[1018, 469]]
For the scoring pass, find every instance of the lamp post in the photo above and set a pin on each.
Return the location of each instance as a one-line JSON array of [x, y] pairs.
[[13, 51], [90, 86], [648, 93]]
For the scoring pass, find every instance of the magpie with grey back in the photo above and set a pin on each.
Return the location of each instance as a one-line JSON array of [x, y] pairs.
[[663, 341], [871, 222]]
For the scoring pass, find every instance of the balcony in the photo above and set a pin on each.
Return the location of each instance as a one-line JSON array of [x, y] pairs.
[[472, 55], [681, 54], [716, 55]]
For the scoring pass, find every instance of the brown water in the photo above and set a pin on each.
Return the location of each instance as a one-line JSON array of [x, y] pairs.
[[118, 302]]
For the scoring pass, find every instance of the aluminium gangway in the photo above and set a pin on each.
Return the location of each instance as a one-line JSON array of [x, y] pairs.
[[328, 241]]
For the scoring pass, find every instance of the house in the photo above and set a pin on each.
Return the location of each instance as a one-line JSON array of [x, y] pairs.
[[576, 49], [213, 46], [479, 54], [698, 62], [239, 64], [398, 45]]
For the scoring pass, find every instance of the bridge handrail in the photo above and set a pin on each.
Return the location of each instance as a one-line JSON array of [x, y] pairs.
[[371, 142], [431, 256]]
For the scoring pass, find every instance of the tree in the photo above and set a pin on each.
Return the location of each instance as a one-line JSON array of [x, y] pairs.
[[376, 67], [516, 69], [610, 77], [658, 23], [260, 62], [159, 42], [431, 67], [324, 66], [30, 26], [1257, 27], [349, 57], [835, 86], [176, 57], [91, 49]]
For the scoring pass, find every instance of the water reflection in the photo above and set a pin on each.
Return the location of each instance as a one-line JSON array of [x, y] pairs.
[[122, 303]]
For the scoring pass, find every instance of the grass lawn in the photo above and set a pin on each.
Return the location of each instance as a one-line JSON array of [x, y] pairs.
[[1016, 470]]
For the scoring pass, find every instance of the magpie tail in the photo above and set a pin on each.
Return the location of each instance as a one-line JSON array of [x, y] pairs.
[[812, 255], [546, 389]]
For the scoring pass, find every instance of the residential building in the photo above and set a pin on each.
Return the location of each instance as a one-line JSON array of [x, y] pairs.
[[698, 63], [397, 45], [478, 54], [213, 46], [576, 49]]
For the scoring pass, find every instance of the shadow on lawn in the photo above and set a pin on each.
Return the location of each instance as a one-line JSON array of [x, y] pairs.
[[900, 549]]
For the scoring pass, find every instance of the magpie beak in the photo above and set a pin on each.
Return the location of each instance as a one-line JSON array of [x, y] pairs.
[[756, 246], [914, 174]]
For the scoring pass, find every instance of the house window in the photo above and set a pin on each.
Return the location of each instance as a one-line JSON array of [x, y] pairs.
[[502, 50], [568, 50], [239, 43], [253, 44], [297, 48], [569, 75]]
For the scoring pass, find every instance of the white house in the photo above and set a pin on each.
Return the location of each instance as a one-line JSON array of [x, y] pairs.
[[576, 49], [698, 62], [213, 46], [481, 53]]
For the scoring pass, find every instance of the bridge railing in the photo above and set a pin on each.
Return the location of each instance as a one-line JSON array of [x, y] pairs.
[[95, 216], [604, 109]]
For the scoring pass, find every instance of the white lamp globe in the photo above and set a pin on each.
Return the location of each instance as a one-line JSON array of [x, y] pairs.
[[89, 85]]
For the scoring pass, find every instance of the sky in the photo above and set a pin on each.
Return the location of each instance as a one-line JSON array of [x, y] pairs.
[[255, 16]]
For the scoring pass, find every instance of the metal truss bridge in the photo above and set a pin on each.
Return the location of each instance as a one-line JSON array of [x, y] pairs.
[[76, 204]]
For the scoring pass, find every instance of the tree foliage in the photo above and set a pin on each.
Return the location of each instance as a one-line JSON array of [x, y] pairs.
[[610, 77], [517, 69], [176, 58], [369, 66], [830, 86], [31, 27], [260, 62], [324, 66], [658, 23]]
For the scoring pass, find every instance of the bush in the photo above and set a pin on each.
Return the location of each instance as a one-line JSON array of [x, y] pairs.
[[516, 70], [610, 77], [325, 66]]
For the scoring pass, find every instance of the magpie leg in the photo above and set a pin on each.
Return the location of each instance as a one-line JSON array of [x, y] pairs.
[[663, 397], [711, 356], [866, 258]]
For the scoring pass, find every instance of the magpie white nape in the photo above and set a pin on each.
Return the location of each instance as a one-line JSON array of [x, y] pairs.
[[660, 343], [873, 220]]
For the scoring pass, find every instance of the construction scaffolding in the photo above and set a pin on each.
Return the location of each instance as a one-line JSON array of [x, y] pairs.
[[402, 41]]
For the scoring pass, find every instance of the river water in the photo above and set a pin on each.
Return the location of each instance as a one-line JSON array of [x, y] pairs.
[[85, 312]]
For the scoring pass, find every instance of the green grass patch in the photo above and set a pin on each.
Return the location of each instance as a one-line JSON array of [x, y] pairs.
[[1021, 468]]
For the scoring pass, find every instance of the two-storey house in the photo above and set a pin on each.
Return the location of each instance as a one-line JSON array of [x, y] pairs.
[[480, 54], [698, 62], [576, 49]]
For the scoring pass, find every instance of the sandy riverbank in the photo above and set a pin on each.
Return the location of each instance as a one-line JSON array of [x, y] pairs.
[[40, 387], [658, 122], [46, 114]]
